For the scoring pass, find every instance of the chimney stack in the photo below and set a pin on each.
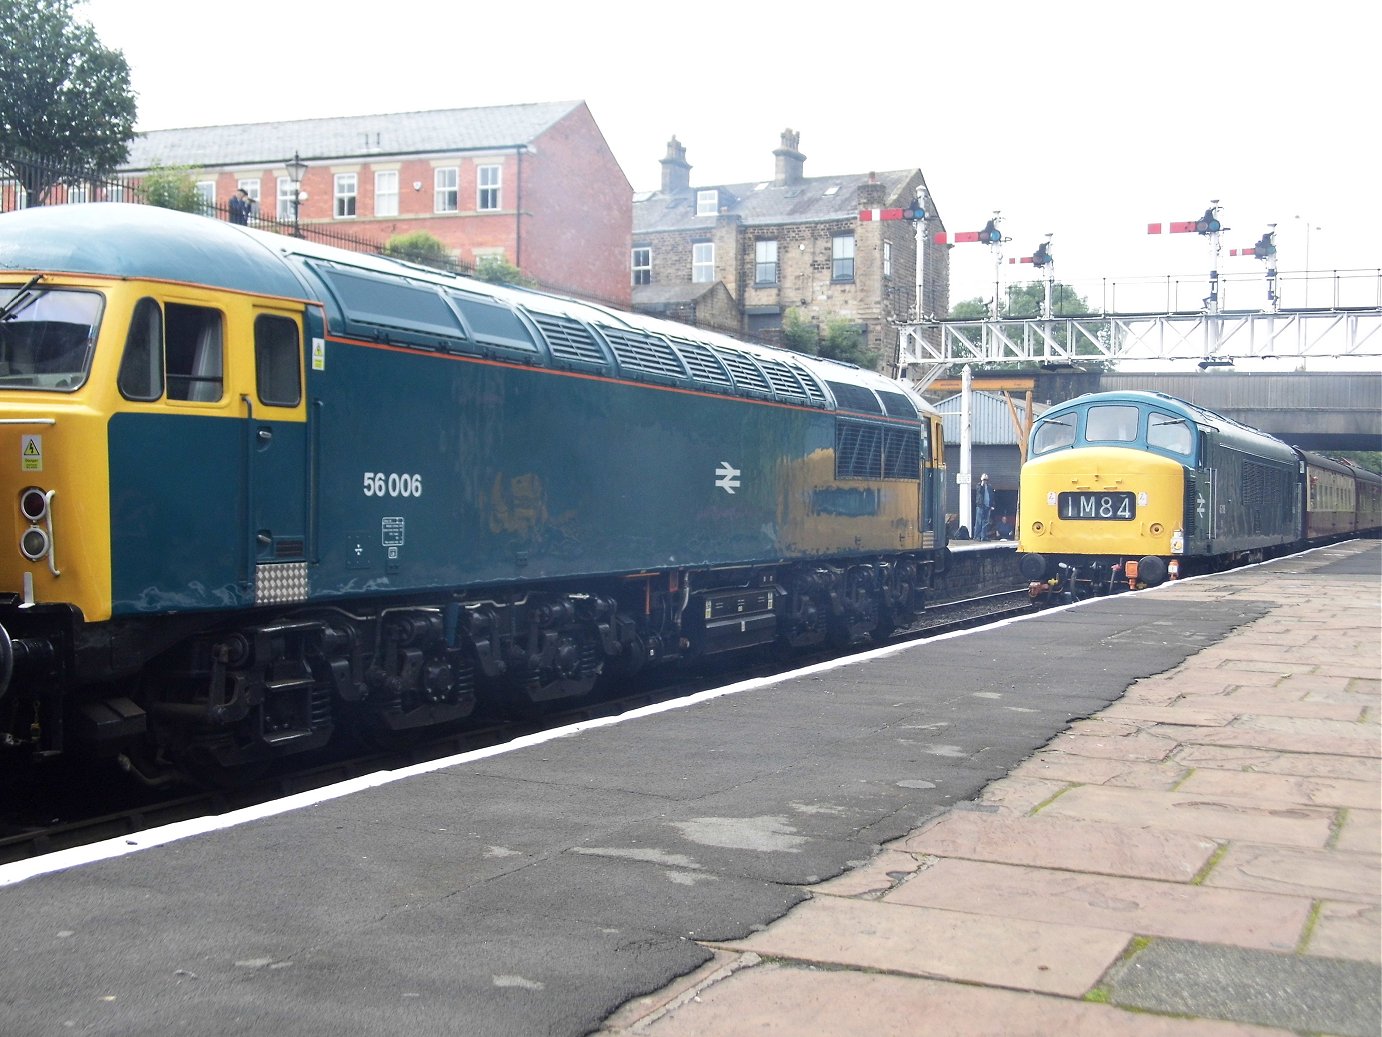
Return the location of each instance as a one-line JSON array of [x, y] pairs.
[[676, 171], [789, 159]]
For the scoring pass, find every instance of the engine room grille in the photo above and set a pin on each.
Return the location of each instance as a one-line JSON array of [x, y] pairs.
[[865, 451], [814, 392], [700, 361], [636, 351], [569, 339], [783, 379], [745, 371]]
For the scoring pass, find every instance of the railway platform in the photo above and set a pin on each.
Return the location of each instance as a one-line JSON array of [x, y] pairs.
[[1201, 857], [1151, 814]]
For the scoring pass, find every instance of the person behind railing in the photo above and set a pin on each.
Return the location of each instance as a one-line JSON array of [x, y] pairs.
[[240, 206]]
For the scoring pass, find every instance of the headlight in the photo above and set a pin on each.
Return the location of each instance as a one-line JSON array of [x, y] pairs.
[[34, 544]]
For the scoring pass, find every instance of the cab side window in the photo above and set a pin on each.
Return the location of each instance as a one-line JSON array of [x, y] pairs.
[[193, 353], [1053, 433], [1168, 433], [141, 367], [276, 365]]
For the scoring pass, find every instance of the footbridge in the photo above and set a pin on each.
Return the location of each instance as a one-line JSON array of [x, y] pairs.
[[1327, 397]]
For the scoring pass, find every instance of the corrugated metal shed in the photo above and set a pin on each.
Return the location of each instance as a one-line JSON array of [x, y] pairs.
[[990, 419], [994, 444]]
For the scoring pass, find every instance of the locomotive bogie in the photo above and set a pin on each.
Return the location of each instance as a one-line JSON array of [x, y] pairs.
[[290, 492]]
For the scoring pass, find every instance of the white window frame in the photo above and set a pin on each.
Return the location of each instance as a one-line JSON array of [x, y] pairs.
[[641, 262], [887, 259], [765, 255], [842, 257], [489, 181], [702, 262], [206, 191], [284, 204], [250, 185], [446, 190], [386, 192], [345, 195], [707, 203]]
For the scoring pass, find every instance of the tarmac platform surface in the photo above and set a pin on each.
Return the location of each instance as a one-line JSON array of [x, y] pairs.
[[1155, 813]]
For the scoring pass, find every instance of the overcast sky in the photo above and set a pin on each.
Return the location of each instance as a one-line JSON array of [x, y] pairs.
[[1087, 119]]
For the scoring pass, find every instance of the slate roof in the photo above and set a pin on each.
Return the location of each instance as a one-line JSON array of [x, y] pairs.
[[351, 136], [764, 202]]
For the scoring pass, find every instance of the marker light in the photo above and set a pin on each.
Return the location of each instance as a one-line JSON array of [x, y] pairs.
[[33, 502]]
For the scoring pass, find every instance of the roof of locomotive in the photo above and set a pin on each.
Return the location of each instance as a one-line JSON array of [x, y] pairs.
[[126, 240], [1201, 416], [142, 241]]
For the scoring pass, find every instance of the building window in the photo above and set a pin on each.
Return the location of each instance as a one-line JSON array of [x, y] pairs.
[[206, 194], [707, 203], [887, 259], [347, 190], [487, 188], [446, 194], [386, 192], [284, 211], [842, 257], [642, 264], [250, 186], [703, 262], [765, 262]]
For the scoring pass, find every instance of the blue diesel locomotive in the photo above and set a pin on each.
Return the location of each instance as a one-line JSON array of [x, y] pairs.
[[261, 490], [1134, 488]]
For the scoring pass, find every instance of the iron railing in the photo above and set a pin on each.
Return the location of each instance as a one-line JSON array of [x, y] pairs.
[[21, 176]]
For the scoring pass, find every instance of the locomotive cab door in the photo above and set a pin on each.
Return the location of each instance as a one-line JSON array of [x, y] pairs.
[[275, 452]]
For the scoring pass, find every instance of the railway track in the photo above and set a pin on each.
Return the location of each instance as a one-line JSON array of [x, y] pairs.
[[60, 815]]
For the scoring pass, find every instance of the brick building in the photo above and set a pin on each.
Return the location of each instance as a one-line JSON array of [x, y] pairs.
[[532, 184], [738, 257]]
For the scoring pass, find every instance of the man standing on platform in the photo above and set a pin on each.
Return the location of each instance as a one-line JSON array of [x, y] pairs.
[[983, 508]]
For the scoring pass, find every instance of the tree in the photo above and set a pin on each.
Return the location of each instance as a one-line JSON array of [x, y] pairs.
[[1025, 302], [420, 247], [840, 339], [501, 271], [66, 107], [172, 188]]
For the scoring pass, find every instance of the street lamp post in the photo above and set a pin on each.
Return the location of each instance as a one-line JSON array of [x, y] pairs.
[[297, 169]]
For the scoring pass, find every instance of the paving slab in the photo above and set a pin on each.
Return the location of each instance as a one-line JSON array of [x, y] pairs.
[[1324, 874], [1048, 842], [1228, 916], [973, 948], [1268, 761], [1281, 788], [1318, 995], [1213, 816], [1347, 930], [779, 1000]]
